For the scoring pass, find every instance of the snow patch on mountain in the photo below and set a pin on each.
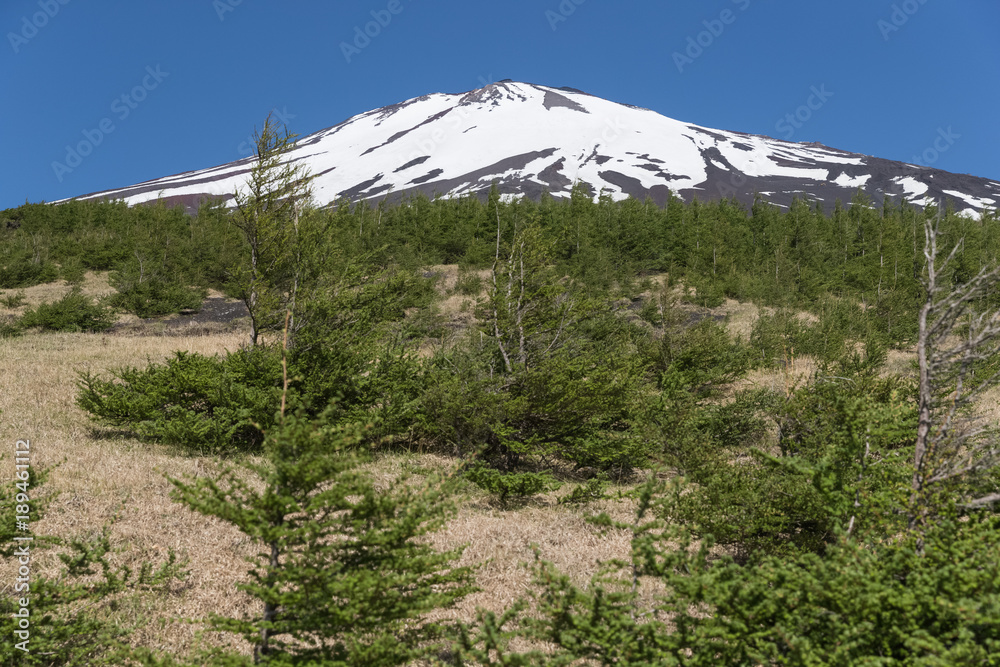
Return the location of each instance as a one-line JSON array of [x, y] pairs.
[[975, 202], [846, 181], [911, 186]]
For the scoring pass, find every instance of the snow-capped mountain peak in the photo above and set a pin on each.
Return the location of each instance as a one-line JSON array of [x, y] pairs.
[[531, 138]]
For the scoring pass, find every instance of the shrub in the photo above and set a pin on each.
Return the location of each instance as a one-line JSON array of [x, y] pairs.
[[343, 356], [707, 293], [9, 328], [200, 403], [349, 353], [73, 312], [72, 271], [909, 600], [840, 439], [15, 300], [425, 323], [593, 490], [894, 602], [455, 380], [468, 283], [575, 407], [517, 484], [153, 297], [25, 272], [550, 371], [701, 356]]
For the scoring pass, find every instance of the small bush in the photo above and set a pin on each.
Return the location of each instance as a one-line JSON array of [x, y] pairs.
[[73, 312], [469, 284], [153, 297], [574, 408], [15, 300], [517, 484], [353, 577], [72, 271], [707, 294], [72, 614], [702, 356], [23, 272], [585, 493], [754, 503], [425, 323], [197, 402], [912, 599], [9, 327]]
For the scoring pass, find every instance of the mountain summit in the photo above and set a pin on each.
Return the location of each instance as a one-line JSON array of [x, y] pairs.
[[531, 139]]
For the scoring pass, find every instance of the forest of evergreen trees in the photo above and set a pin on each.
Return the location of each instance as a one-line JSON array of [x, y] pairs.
[[867, 252]]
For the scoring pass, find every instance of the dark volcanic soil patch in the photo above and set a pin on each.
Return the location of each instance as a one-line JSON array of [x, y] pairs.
[[217, 314], [215, 310]]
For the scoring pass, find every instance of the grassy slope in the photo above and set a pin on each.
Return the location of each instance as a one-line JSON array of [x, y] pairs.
[[104, 473]]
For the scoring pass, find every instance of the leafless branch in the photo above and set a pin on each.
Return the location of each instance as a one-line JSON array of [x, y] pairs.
[[951, 445], [496, 316]]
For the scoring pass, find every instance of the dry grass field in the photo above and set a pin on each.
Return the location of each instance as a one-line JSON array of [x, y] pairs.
[[103, 476]]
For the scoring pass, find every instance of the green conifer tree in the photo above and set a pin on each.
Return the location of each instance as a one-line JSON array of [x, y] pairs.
[[270, 213], [345, 574]]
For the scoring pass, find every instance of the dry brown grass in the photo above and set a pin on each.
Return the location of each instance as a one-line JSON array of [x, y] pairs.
[[740, 318], [447, 276], [100, 477], [796, 373], [455, 309], [102, 474], [989, 405], [900, 363], [502, 544], [95, 284]]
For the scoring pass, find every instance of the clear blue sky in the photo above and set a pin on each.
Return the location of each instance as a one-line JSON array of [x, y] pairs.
[[208, 71]]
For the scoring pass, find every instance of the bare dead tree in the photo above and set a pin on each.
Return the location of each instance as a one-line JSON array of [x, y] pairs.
[[497, 334], [952, 446], [529, 310]]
